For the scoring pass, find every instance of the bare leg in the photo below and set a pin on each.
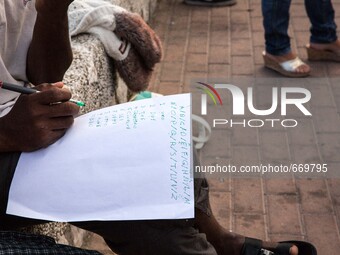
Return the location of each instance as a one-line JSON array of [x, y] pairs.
[[225, 242]]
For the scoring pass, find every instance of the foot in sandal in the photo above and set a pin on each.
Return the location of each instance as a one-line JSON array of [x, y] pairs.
[[234, 244], [288, 65], [229, 243], [324, 51], [255, 246]]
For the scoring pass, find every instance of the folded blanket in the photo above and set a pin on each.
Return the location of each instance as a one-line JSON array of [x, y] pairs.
[[132, 44]]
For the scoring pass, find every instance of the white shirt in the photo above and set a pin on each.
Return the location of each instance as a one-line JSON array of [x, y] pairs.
[[17, 19]]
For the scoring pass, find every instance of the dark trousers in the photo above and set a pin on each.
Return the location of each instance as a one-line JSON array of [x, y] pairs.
[[276, 21]]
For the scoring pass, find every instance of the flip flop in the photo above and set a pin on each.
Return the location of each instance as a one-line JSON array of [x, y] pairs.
[[253, 246], [286, 68], [322, 55]]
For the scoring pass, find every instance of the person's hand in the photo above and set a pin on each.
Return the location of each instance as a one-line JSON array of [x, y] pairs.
[[52, 6], [39, 119]]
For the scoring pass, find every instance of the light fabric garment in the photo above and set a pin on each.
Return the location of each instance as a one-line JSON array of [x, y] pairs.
[[98, 17], [17, 18]]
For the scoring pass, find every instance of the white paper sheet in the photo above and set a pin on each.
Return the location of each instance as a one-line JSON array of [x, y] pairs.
[[127, 162]]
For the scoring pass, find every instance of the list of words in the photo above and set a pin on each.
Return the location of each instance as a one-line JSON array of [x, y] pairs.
[[136, 157], [173, 115]]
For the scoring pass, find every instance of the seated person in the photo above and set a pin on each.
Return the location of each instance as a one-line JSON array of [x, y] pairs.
[[35, 48]]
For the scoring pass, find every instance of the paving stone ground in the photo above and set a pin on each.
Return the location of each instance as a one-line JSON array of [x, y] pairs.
[[222, 44]]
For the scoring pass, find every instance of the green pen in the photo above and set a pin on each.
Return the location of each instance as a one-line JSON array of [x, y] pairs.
[[79, 103], [24, 90]]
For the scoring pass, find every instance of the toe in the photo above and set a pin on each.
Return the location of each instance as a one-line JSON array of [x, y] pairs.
[[303, 69], [294, 250]]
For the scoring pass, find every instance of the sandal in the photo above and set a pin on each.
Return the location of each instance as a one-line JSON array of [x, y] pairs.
[[253, 246], [322, 55], [287, 68]]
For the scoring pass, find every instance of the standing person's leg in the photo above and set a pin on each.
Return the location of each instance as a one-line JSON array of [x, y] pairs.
[[324, 43], [278, 55], [321, 14], [275, 22]]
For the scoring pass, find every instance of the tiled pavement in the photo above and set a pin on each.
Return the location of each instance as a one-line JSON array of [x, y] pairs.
[[217, 44]]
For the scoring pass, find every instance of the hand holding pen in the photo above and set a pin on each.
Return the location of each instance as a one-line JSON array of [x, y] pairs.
[[25, 90], [38, 119]]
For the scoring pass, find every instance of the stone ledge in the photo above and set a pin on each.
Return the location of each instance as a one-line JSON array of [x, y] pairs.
[[92, 77]]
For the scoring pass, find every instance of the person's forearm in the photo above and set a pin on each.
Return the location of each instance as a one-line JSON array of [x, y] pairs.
[[50, 53]]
